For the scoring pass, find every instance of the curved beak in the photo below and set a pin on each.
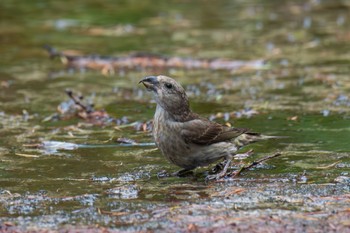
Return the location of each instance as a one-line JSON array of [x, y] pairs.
[[150, 82]]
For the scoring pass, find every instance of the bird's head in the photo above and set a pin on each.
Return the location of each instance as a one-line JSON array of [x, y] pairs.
[[169, 94]]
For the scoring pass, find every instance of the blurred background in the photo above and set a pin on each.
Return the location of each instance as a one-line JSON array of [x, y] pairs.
[[292, 80]]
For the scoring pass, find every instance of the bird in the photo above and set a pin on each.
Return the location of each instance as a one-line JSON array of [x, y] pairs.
[[187, 139]]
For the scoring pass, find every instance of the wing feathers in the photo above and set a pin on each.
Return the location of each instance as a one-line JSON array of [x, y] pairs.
[[205, 132]]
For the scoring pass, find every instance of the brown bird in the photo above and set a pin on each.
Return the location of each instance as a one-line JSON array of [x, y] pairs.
[[186, 139]]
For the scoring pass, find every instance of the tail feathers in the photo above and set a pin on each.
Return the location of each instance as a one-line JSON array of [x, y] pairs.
[[248, 138]]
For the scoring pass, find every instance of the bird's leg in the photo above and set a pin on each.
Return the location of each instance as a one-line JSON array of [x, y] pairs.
[[223, 166], [223, 172]]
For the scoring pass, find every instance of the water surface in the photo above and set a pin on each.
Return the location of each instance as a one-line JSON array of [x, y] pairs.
[[301, 92]]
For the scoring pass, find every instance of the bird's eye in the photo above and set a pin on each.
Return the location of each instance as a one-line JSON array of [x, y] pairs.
[[168, 85]]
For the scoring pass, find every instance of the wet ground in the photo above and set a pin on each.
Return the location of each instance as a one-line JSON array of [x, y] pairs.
[[68, 174]]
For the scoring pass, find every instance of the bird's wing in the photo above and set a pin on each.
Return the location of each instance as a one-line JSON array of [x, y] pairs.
[[205, 132]]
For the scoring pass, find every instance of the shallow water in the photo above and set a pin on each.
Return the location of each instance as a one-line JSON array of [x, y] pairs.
[[92, 181]]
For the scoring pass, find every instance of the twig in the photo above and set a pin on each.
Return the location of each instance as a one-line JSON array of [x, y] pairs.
[[77, 101], [328, 166], [253, 164], [27, 155]]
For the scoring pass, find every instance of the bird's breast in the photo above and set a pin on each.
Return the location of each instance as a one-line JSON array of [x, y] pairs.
[[167, 135]]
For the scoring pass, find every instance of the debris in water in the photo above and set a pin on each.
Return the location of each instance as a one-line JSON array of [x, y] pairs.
[[235, 114], [126, 141], [27, 155], [342, 179], [109, 65], [325, 112], [292, 118]]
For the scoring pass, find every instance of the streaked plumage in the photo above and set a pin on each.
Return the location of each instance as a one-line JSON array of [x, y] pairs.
[[186, 139]]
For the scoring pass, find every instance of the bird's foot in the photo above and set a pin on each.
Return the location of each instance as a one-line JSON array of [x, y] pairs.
[[163, 174], [223, 166], [217, 176], [218, 167], [181, 173], [222, 173]]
